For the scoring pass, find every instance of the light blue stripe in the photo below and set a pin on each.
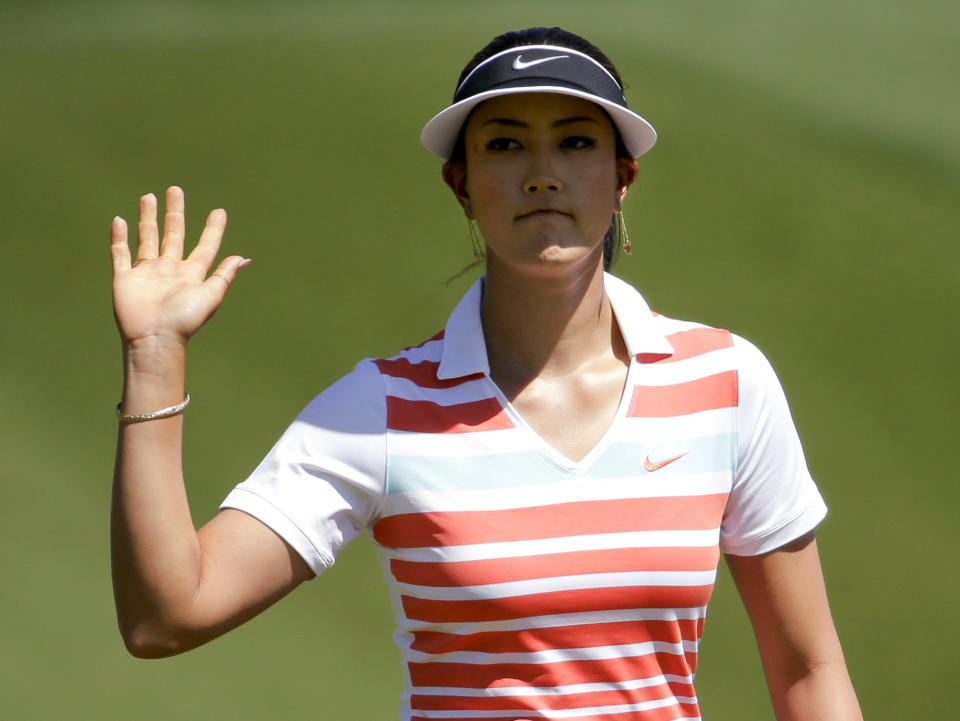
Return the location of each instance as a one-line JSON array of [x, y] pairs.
[[704, 454], [409, 474]]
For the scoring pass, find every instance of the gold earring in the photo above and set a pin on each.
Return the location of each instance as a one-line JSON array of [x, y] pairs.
[[475, 239], [622, 237], [479, 253]]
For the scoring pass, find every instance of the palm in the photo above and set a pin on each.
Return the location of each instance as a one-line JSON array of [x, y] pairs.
[[164, 294], [161, 297]]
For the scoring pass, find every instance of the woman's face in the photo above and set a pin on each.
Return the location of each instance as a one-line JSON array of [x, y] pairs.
[[541, 177]]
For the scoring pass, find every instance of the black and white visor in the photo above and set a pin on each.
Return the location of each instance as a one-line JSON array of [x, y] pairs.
[[538, 69]]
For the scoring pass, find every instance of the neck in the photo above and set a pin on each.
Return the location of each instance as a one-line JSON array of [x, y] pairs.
[[548, 326]]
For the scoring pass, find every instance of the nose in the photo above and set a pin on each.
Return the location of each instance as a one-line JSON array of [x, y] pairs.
[[541, 175]]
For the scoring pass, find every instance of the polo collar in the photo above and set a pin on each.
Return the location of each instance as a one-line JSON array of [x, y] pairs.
[[464, 348]]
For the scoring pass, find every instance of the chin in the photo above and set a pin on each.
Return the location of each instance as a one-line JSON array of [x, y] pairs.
[[559, 253], [557, 261], [547, 257]]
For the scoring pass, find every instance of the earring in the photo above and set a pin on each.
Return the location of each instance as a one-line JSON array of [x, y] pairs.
[[622, 237], [476, 241]]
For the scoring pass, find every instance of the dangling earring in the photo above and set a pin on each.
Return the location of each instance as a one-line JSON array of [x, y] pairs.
[[622, 237], [478, 252]]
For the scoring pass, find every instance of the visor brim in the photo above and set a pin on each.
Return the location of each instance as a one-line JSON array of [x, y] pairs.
[[439, 135]]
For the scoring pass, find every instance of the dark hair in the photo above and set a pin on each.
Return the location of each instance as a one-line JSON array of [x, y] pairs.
[[560, 38]]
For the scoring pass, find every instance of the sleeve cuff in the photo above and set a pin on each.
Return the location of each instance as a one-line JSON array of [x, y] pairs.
[[255, 505], [789, 530]]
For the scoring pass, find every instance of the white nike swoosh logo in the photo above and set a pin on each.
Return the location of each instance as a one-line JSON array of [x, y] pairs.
[[518, 64]]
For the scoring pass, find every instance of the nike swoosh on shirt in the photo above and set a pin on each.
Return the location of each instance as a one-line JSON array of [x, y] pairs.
[[651, 466], [518, 64]]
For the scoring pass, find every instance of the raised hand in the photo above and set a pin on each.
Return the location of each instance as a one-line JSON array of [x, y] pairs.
[[163, 295]]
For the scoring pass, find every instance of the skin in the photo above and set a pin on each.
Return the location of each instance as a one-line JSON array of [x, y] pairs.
[[543, 183], [542, 178], [786, 599], [175, 587]]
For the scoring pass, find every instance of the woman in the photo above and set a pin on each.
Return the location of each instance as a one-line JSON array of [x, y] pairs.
[[549, 482]]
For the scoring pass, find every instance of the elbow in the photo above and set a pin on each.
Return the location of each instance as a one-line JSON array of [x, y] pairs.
[[149, 648], [152, 640], [827, 669]]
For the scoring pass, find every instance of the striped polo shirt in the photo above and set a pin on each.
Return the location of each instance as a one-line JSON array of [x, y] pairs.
[[527, 585]]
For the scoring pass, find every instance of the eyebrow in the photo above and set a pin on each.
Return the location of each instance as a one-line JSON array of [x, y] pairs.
[[556, 124]]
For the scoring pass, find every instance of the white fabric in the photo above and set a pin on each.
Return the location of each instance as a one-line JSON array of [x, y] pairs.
[[323, 481], [578, 588]]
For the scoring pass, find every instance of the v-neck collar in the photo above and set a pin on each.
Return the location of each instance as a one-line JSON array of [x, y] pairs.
[[464, 353], [553, 454]]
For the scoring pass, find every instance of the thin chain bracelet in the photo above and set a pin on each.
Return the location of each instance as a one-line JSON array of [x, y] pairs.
[[162, 413]]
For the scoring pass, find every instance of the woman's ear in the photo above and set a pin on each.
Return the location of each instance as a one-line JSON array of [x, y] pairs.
[[455, 176], [626, 174]]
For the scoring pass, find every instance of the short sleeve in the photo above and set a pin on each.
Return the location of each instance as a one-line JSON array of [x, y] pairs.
[[322, 483], [773, 499]]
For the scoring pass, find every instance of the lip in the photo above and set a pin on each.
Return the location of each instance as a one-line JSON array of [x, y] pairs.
[[544, 213]]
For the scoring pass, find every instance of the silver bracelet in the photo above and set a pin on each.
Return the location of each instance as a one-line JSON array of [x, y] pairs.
[[162, 413]]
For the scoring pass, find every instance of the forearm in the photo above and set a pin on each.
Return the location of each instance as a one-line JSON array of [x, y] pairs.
[[785, 597], [176, 588], [822, 693], [155, 549]]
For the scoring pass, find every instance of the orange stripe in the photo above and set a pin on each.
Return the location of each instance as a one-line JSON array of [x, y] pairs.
[[562, 673], [427, 417], [544, 639], [623, 515], [422, 702], [689, 344], [554, 602], [424, 373], [652, 357], [667, 713], [703, 394], [503, 570], [697, 341]]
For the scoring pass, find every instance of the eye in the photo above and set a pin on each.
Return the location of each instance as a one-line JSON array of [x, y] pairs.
[[578, 142], [501, 144]]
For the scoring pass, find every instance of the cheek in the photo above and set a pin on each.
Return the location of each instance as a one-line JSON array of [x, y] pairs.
[[599, 184], [488, 191]]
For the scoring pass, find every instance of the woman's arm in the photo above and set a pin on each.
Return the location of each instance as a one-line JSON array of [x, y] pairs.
[[784, 594], [176, 588]]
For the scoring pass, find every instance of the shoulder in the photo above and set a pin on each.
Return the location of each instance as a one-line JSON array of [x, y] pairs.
[[361, 392], [719, 357], [698, 348], [690, 339], [415, 363], [352, 403]]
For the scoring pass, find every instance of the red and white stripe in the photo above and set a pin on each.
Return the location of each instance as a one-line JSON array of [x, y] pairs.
[[575, 599]]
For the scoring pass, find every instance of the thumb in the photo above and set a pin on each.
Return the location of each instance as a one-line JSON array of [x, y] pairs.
[[221, 279]]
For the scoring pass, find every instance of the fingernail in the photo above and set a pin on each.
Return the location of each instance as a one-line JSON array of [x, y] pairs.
[[244, 263]]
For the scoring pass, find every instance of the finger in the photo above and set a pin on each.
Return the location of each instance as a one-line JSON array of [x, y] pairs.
[[226, 272], [119, 250], [174, 224], [147, 235], [209, 244]]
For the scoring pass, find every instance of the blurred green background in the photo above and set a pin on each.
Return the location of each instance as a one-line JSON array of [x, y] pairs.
[[805, 193]]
